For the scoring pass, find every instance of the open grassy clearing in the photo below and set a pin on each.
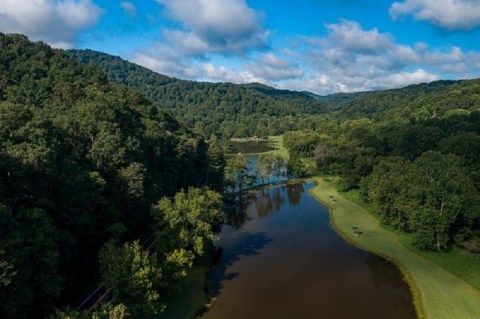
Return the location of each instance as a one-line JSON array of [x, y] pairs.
[[437, 292]]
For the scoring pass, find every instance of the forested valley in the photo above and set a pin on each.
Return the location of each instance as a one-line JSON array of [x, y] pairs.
[[112, 174]]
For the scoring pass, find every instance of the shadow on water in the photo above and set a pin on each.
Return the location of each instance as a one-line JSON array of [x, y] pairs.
[[282, 259], [249, 244]]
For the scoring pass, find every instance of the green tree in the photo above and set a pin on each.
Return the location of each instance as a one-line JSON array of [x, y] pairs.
[[384, 187], [217, 163], [296, 168], [134, 277], [437, 194], [236, 172]]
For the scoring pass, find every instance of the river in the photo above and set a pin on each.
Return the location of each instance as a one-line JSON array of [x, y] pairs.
[[281, 259]]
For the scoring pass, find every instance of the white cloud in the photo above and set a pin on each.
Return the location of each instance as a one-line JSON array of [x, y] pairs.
[[222, 74], [56, 22], [446, 14], [348, 58], [271, 68], [405, 78], [216, 26], [164, 60], [129, 8], [375, 61]]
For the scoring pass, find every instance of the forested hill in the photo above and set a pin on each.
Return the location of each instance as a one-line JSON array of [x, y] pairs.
[[228, 109], [255, 109], [81, 162], [415, 101]]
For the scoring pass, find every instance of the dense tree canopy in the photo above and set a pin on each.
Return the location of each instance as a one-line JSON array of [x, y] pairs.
[[414, 153], [215, 108], [81, 162]]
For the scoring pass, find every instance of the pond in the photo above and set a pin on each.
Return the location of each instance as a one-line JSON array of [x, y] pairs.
[[282, 259], [251, 147]]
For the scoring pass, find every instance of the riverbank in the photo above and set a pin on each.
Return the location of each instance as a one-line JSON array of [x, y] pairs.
[[437, 292]]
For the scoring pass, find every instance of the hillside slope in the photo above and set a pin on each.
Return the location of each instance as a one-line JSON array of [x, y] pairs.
[[81, 162], [227, 109]]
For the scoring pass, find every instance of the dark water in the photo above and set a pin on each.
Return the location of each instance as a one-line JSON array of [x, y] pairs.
[[281, 260], [252, 147]]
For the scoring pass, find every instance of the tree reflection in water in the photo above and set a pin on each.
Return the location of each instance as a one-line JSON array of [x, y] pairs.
[[294, 193], [264, 202]]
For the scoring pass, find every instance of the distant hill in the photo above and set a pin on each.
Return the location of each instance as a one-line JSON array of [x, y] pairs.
[[228, 109], [233, 110]]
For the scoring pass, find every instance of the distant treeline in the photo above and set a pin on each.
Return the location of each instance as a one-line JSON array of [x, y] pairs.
[[224, 109], [416, 157]]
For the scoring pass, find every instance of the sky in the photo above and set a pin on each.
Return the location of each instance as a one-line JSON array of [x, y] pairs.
[[322, 46]]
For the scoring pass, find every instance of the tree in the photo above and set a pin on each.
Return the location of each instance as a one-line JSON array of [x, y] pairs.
[[134, 276], [437, 194], [185, 228], [236, 172], [217, 162], [384, 187], [188, 220], [296, 168], [7, 271]]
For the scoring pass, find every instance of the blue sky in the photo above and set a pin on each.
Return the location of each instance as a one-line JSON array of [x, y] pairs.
[[323, 46]]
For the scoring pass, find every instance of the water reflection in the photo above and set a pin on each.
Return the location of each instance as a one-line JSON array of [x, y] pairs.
[[249, 244], [294, 193], [261, 202], [253, 147], [281, 259]]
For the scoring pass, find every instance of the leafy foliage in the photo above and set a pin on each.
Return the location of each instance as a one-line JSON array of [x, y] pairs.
[[414, 155], [81, 162]]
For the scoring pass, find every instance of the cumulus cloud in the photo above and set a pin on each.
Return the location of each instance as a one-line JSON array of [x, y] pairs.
[[446, 14], [348, 58], [271, 68], [164, 60], [222, 74], [216, 26], [56, 22]]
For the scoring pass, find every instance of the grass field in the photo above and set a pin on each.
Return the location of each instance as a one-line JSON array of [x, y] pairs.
[[456, 261], [438, 293], [279, 148]]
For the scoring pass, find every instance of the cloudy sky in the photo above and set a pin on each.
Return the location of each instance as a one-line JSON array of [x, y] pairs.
[[323, 46]]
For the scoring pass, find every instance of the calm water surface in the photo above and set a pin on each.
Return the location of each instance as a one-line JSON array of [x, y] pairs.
[[253, 147], [281, 260]]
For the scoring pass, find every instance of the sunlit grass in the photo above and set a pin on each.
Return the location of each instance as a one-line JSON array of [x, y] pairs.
[[438, 293], [455, 260], [280, 150]]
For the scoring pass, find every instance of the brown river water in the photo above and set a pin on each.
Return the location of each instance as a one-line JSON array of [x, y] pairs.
[[282, 260]]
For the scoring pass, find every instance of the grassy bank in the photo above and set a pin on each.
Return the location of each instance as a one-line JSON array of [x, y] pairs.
[[280, 150], [457, 261], [437, 292]]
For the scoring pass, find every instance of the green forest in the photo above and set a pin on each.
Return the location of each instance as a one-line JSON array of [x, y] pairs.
[[113, 175]]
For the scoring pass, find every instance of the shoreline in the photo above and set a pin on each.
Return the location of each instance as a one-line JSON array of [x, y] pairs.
[[436, 292]]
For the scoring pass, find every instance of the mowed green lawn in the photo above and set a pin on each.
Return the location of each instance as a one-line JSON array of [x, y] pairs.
[[437, 292]]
